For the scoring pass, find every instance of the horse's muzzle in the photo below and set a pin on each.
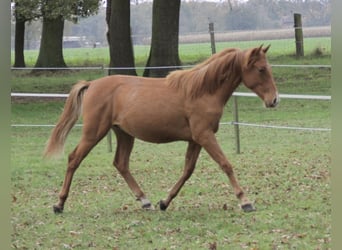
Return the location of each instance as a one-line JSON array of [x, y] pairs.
[[273, 103]]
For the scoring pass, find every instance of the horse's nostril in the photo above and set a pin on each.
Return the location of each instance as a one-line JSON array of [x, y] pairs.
[[275, 101]]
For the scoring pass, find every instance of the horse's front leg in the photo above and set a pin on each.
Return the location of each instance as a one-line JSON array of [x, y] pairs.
[[190, 163], [121, 162], [208, 141]]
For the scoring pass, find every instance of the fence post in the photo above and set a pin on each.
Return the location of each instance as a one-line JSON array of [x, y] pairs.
[[109, 141], [109, 134], [212, 37], [236, 124], [298, 34]]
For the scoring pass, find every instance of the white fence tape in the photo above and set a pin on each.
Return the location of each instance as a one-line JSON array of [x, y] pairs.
[[288, 96], [285, 96], [278, 127], [162, 67], [38, 95], [242, 94]]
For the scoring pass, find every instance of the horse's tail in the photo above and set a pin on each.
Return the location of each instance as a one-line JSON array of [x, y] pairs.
[[71, 113]]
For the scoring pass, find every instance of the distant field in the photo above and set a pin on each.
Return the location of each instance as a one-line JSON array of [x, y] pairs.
[[189, 53], [255, 35]]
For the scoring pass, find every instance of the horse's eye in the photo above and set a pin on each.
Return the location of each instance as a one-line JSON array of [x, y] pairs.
[[262, 70]]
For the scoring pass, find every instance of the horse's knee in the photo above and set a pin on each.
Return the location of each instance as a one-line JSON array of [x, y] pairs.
[[120, 167], [187, 173], [71, 156], [116, 165], [73, 163]]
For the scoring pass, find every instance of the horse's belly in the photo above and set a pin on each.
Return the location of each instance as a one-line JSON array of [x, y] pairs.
[[161, 136], [157, 130]]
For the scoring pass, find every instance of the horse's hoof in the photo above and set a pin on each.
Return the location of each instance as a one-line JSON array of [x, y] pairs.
[[148, 206], [248, 208], [57, 209], [162, 205]]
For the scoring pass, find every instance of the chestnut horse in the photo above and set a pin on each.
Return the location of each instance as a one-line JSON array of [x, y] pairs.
[[186, 105]]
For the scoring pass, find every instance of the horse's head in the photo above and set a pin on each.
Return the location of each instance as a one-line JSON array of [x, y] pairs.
[[257, 76]]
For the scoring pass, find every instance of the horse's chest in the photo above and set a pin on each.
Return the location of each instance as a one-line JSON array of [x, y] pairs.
[[205, 120]]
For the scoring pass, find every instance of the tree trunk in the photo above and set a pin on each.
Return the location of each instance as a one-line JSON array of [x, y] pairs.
[[119, 37], [51, 44], [164, 44], [19, 59]]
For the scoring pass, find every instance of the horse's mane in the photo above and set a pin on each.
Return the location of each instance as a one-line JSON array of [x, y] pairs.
[[209, 75]]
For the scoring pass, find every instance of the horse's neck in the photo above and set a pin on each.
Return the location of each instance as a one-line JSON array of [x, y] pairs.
[[226, 90], [233, 80]]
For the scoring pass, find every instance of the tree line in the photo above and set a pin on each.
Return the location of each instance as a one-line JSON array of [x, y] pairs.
[[194, 17], [164, 42], [230, 15], [52, 15], [133, 21]]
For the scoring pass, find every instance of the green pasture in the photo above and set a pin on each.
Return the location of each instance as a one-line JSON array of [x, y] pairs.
[[286, 173], [193, 53]]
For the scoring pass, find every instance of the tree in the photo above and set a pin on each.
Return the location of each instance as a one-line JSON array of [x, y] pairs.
[[164, 44], [19, 59], [51, 43], [23, 12], [54, 13], [119, 37]]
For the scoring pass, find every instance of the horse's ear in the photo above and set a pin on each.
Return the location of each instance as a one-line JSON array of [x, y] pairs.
[[252, 56], [260, 48], [265, 49]]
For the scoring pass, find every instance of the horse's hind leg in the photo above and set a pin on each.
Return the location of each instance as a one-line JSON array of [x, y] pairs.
[[124, 148], [190, 162], [90, 137]]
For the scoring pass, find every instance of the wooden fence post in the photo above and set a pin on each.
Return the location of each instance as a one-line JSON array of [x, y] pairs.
[[212, 37], [298, 34], [109, 134], [109, 141], [236, 124]]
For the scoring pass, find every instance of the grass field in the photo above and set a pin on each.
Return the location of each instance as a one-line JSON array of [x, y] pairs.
[[193, 53], [286, 173]]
